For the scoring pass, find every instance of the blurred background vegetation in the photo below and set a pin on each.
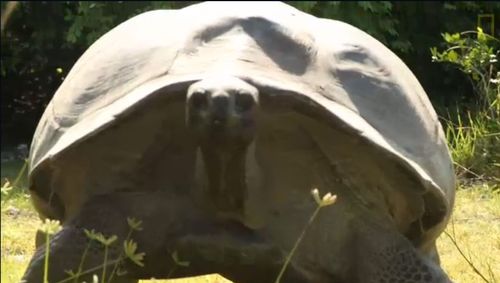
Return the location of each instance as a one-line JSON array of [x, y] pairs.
[[42, 40]]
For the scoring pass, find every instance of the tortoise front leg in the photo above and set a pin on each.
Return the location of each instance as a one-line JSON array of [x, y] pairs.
[[65, 253], [108, 215], [238, 254], [170, 224], [385, 255]]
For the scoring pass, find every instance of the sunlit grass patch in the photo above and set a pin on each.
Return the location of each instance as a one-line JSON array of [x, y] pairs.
[[475, 226], [214, 278], [18, 240]]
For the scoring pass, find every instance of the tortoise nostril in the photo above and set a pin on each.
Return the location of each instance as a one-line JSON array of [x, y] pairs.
[[199, 99], [244, 101]]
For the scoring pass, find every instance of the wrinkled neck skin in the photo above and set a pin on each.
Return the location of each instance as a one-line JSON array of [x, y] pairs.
[[224, 166]]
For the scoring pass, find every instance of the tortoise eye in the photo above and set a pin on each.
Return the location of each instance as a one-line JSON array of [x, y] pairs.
[[244, 101], [199, 99]]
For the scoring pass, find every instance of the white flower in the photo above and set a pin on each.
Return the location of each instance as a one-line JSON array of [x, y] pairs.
[[328, 199], [50, 226]]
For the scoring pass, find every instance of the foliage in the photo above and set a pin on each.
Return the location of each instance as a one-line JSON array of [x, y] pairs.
[[32, 49], [474, 137], [375, 18], [7, 187], [478, 58], [129, 252], [90, 20], [422, 22], [474, 144]]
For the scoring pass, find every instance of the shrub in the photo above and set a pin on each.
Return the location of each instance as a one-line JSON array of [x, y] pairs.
[[473, 130]]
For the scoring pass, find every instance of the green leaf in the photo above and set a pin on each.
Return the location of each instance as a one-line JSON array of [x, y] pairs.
[[177, 261], [160, 5], [475, 77], [305, 6], [387, 5], [121, 271], [452, 56], [481, 37], [6, 187], [451, 38], [402, 45], [105, 241], [448, 6], [130, 248], [134, 224], [436, 56], [92, 235], [434, 51], [366, 5], [111, 240]]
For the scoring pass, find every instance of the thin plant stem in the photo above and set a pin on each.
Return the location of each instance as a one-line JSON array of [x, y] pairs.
[[103, 278], [171, 272], [115, 267], [467, 259], [21, 172], [297, 243], [46, 265], [81, 262], [89, 271]]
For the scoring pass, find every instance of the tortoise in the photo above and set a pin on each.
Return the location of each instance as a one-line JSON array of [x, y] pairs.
[[212, 124]]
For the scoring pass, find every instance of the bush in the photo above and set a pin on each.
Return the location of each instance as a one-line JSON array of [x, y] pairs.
[[473, 130]]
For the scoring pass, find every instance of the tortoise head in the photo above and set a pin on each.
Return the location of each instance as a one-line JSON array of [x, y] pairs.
[[222, 110]]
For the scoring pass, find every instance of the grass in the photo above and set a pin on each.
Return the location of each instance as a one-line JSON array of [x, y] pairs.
[[474, 144], [475, 227]]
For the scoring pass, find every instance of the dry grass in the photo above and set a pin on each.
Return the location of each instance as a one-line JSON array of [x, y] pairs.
[[18, 230], [475, 227]]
